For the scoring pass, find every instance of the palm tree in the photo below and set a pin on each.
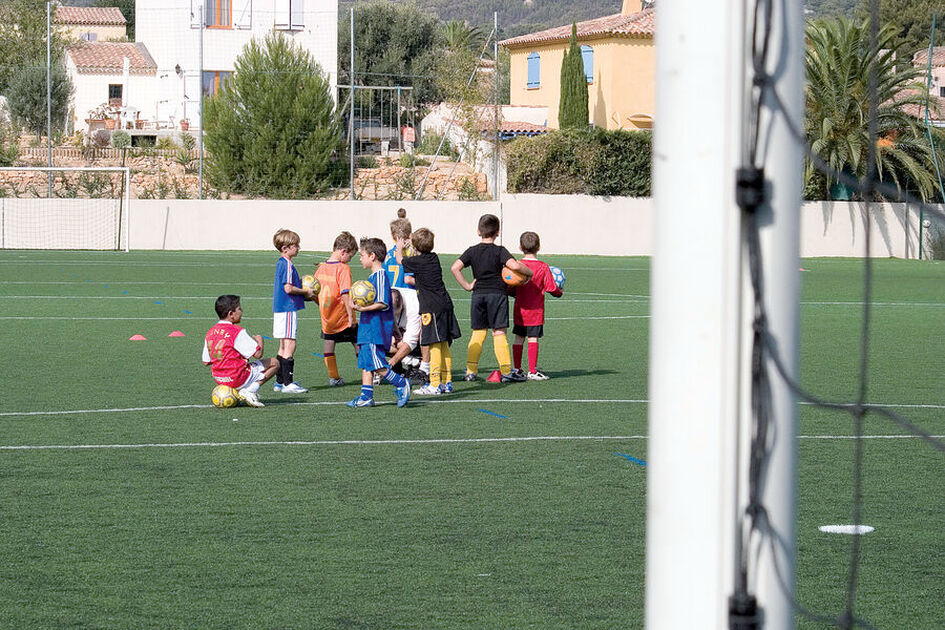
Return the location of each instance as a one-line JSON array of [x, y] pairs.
[[459, 35], [840, 60]]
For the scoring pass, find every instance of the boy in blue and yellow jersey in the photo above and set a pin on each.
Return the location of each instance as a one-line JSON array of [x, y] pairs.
[[376, 329]]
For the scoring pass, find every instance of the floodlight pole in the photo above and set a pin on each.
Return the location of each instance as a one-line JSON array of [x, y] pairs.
[[351, 107], [701, 315], [49, 177]]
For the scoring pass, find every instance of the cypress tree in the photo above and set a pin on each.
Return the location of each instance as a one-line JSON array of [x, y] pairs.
[[572, 106]]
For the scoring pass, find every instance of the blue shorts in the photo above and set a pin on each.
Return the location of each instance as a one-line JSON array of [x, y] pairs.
[[372, 357]]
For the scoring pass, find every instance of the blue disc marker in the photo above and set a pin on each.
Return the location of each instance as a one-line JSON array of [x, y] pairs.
[[631, 458], [492, 413]]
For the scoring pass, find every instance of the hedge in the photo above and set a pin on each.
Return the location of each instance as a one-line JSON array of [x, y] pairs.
[[592, 162]]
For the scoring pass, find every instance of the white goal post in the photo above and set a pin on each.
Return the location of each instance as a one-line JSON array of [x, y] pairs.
[[65, 207]]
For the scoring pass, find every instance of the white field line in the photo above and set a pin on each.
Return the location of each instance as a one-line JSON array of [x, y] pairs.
[[537, 438], [424, 401]]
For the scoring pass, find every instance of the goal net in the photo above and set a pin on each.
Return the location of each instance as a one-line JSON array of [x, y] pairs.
[[64, 208]]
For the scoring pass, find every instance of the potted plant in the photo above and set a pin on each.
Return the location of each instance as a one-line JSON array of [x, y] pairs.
[[184, 124]]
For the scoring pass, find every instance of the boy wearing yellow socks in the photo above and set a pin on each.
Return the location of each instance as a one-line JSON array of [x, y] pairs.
[[489, 308], [438, 325]]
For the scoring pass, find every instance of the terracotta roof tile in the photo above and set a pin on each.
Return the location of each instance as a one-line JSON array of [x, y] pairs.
[[639, 24], [108, 57], [921, 58], [90, 15]]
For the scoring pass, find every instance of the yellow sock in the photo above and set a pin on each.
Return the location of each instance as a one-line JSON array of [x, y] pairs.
[[474, 351], [446, 374], [332, 365], [502, 354], [436, 355]]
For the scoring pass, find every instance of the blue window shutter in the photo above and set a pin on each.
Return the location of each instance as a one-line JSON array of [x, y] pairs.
[[534, 70], [587, 55]]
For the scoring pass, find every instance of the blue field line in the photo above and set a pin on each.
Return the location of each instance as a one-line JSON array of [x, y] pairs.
[[492, 413], [157, 302], [319, 355], [188, 312], [631, 458]]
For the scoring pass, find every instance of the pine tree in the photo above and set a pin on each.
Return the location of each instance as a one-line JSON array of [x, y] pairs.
[[272, 129], [572, 107]]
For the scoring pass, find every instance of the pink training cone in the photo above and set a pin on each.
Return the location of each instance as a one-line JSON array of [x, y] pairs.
[[176, 333], [495, 377], [138, 338]]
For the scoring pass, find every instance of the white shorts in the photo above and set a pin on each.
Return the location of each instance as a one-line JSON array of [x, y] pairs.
[[410, 318], [256, 372], [285, 324]]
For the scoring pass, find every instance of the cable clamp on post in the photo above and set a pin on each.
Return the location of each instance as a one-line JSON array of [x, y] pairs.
[[749, 188], [743, 613]]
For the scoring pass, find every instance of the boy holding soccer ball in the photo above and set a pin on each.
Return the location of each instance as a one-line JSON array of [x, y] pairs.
[[233, 355], [376, 329], [489, 306], [288, 298], [528, 317]]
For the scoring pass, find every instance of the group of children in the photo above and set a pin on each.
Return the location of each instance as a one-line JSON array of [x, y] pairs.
[[412, 313]]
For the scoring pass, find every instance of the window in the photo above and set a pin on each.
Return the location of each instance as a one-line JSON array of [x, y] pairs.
[[587, 55], [941, 91], [89, 37], [213, 81], [219, 13], [114, 94], [534, 71], [290, 14]]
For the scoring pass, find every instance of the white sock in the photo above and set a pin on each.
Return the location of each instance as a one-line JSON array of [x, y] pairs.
[[424, 367]]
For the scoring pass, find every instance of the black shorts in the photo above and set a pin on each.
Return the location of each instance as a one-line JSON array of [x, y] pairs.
[[528, 331], [489, 310], [348, 334], [437, 327]]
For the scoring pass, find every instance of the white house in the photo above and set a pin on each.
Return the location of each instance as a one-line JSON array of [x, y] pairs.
[[171, 30], [116, 74]]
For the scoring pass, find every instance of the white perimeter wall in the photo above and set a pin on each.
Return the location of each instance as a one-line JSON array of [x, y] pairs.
[[566, 224]]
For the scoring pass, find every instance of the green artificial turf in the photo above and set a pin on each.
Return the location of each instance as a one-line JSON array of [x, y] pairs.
[[500, 506]]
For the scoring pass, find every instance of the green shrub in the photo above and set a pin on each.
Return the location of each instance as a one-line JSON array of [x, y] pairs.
[[410, 161], [594, 162], [429, 143], [367, 161], [164, 143], [121, 140]]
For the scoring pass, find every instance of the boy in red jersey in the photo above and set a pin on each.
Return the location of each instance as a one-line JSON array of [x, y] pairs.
[[529, 314], [334, 303], [233, 356]]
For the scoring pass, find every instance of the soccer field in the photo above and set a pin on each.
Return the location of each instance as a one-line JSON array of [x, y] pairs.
[[128, 501]]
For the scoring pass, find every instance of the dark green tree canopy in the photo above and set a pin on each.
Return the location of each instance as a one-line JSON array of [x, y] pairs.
[[23, 39], [272, 130], [396, 44], [572, 106], [26, 97]]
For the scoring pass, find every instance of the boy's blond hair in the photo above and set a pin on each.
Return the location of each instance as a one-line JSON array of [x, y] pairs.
[[400, 228], [284, 238], [346, 243]]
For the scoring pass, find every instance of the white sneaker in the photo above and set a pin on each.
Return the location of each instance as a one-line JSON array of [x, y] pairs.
[[336, 382], [537, 376], [293, 388], [427, 390], [250, 399]]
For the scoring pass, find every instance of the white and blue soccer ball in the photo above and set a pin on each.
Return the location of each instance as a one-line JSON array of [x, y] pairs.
[[558, 276]]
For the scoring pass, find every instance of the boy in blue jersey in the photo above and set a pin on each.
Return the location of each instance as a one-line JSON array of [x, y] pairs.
[[288, 298], [376, 329]]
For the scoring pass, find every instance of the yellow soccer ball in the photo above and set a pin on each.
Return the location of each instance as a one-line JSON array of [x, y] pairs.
[[311, 282], [224, 397], [363, 293], [409, 251]]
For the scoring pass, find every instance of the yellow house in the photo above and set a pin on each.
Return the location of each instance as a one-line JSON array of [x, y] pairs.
[[91, 24], [619, 61]]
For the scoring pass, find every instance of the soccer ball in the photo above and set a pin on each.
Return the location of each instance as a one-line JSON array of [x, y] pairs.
[[513, 278], [311, 282], [558, 276], [224, 397], [408, 251], [363, 293]]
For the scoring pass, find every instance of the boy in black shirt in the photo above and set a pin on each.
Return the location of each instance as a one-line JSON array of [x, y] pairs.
[[438, 325], [490, 302]]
